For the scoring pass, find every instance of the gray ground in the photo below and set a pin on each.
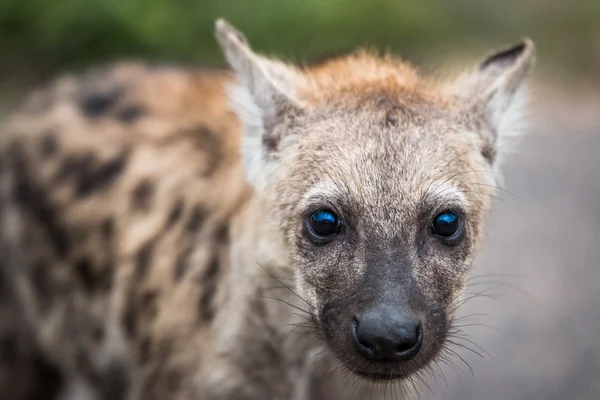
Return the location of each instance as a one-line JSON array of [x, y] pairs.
[[545, 343]]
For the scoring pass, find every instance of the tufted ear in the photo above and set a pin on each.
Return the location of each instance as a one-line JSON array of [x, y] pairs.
[[264, 97], [494, 92]]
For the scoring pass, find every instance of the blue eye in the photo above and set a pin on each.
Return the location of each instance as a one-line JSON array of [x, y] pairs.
[[446, 218], [446, 224], [322, 225], [324, 217]]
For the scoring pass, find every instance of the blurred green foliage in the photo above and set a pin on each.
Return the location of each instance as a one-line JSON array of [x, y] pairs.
[[43, 37]]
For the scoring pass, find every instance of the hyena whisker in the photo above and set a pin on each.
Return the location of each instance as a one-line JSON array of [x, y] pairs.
[[473, 191], [500, 285], [495, 274], [475, 325], [448, 349], [473, 343], [415, 388], [498, 188], [307, 329], [274, 288], [433, 189], [286, 286], [269, 276], [468, 316], [466, 348], [463, 300], [436, 372], [495, 285], [444, 359], [285, 302], [308, 319], [302, 325], [437, 176], [320, 356], [419, 378]]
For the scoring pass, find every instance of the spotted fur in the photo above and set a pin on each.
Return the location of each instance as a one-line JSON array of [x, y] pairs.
[[152, 243]]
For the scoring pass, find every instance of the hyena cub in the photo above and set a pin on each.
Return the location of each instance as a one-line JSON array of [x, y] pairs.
[[156, 245]]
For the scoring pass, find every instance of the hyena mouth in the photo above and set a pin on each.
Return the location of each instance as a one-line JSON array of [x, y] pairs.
[[379, 376]]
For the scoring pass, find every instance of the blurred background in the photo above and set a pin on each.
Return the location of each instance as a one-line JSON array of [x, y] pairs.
[[539, 328]]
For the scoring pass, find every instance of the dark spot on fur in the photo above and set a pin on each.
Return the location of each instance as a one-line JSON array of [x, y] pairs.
[[74, 166], [98, 178], [48, 145], [98, 333], [193, 226], [143, 259], [391, 109], [391, 119], [96, 103], [82, 360], [209, 144], [175, 214], [9, 353], [105, 276], [148, 301], [87, 177], [181, 265], [489, 153], [33, 198], [129, 322], [85, 272], [173, 379], [222, 234], [504, 57], [91, 279], [114, 381], [142, 194], [47, 379], [145, 350], [270, 142], [4, 283], [141, 309], [42, 283], [162, 351], [130, 114], [209, 289], [196, 219], [107, 229]]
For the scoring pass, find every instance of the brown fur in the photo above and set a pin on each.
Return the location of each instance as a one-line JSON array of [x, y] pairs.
[[146, 257]]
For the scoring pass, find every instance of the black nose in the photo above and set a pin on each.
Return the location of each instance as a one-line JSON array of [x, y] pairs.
[[386, 336]]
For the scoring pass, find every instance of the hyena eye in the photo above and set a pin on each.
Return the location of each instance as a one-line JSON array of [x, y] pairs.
[[447, 224], [322, 225]]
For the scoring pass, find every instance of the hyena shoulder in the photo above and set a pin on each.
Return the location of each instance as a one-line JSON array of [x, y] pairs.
[[118, 187]]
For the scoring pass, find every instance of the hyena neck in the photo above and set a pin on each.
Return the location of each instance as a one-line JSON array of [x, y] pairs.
[[262, 280], [263, 311]]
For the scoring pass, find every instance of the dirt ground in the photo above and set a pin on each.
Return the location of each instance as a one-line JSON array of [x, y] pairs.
[[544, 249]]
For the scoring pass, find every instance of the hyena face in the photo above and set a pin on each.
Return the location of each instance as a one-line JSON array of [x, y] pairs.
[[379, 182]]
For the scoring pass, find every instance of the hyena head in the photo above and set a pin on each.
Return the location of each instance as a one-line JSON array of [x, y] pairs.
[[378, 181]]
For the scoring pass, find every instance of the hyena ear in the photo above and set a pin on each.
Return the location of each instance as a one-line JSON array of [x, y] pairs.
[[494, 92], [265, 99]]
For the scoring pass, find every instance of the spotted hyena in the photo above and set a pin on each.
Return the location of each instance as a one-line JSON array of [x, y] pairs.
[[308, 242]]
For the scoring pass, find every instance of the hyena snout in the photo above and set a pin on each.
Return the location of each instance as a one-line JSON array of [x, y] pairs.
[[384, 334]]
